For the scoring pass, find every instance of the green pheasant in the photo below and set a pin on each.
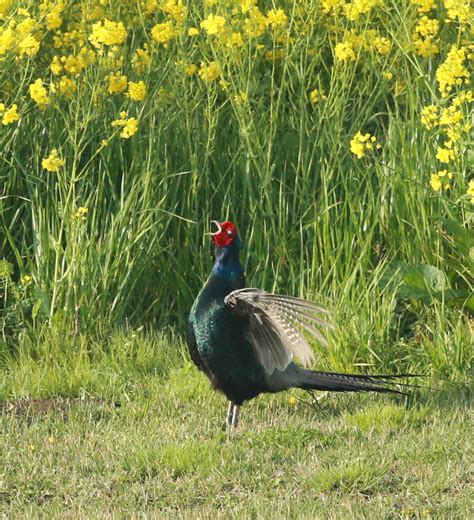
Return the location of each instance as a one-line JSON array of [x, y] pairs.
[[244, 339]]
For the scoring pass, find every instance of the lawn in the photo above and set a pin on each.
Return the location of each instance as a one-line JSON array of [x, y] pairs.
[[143, 437]]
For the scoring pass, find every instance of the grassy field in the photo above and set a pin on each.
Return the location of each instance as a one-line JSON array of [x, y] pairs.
[[337, 135], [143, 435]]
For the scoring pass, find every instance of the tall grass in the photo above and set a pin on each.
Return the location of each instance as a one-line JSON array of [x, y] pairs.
[[316, 221]]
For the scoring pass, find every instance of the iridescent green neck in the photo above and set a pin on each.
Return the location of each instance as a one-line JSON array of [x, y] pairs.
[[227, 264]]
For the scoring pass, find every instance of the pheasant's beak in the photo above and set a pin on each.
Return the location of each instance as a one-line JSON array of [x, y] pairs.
[[219, 228]]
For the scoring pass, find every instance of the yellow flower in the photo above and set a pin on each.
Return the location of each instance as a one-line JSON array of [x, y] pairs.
[[129, 126], [387, 75], [25, 280], [292, 400], [53, 162], [107, 33], [470, 191], [382, 45], [276, 18], [452, 72], [256, 23], [459, 9], [81, 213], [39, 94], [435, 182], [56, 67], [429, 116], [117, 83], [314, 95], [427, 27], [363, 142], [354, 9], [141, 60], [11, 115], [7, 40], [28, 46], [5, 8], [425, 47], [445, 155], [209, 72], [193, 31], [234, 40], [344, 52], [136, 90], [175, 9], [214, 25], [190, 69], [241, 97], [424, 6], [67, 87], [53, 16], [163, 32]]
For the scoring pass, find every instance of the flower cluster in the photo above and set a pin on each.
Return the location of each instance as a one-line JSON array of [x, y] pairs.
[[129, 126], [9, 115], [53, 162], [361, 143]]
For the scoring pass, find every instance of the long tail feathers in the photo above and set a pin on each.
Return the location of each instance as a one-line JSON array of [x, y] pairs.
[[334, 382]]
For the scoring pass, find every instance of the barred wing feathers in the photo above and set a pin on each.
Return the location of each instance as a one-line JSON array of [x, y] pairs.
[[273, 323]]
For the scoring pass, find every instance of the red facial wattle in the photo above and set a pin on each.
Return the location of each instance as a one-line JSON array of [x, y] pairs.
[[225, 234]]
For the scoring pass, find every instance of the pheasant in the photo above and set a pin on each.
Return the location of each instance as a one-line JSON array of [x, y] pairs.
[[244, 339]]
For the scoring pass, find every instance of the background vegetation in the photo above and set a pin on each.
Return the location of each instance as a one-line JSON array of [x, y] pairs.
[[337, 135]]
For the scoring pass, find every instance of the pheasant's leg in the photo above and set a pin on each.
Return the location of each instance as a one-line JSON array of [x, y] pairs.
[[235, 416], [230, 414]]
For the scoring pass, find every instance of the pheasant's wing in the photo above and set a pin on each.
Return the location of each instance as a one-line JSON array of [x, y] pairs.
[[271, 326]]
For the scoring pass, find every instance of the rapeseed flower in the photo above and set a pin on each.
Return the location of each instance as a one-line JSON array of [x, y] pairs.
[[355, 8], [445, 155], [429, 116], [81, 213], [136, 90], [141, 60], [424, 6], [163, 33], [129, 125], [25, 280], [427, 27], [276, 18], [363, 142], [107, 33], [117, 83], [470, 191], [175, 10], [67, 87], [441, 180], [344, 52], [459, 9], [39, 94], [214, 25], [209, 72], [53, 162], [56, 66], [452, 72], [10, 115], [255, 24], [5, 6]]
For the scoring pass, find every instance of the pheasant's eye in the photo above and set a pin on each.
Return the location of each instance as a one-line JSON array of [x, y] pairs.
[[230, 234]]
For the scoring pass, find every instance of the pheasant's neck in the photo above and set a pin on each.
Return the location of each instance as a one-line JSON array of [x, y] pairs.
[[227, 264]]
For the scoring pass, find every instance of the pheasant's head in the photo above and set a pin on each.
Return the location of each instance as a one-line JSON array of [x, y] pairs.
[[225, 235], [226, 251]]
